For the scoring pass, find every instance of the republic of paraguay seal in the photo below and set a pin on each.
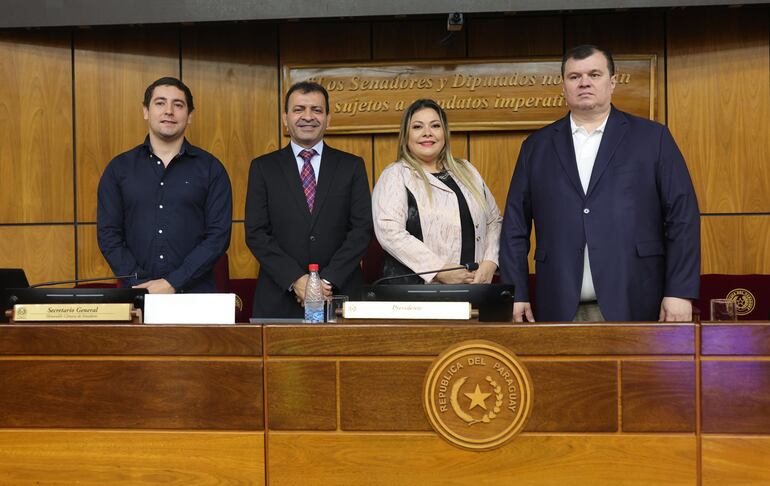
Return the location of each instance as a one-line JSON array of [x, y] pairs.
[[477, 395]]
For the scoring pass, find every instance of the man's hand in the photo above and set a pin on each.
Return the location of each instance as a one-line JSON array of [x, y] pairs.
[[674, 309], [461, 276], [522, 310], [158, 286], [301, 283], [485, 272]]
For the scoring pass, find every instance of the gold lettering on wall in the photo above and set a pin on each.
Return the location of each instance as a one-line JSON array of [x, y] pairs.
[[477, 95]]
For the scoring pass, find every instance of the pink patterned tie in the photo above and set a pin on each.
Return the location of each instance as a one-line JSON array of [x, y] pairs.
[[308, 177]]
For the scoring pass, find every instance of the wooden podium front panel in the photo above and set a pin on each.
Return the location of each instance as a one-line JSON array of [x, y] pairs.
[[131, 404], [596, 387], [735, 384]]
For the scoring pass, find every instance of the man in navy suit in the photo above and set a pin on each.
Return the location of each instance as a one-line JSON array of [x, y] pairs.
[[616, 219], [306, 203]]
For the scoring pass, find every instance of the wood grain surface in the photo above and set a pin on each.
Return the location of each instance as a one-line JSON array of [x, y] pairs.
[[36, 166], [735, 244], [658, 396], [740, 340], [91, 262], [46, 252], [241, 260], [719, 77], [382, 395], [419, 39], [301, 395], [132, 394], [61, 457], [736, 397], [231, 70], [735, 460], [420, 338], [422, 459], [130, 340], [515, 36], [114, 66], [573, 397]]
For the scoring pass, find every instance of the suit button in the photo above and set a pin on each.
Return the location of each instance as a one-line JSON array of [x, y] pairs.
[[586, 211], [312, 237]]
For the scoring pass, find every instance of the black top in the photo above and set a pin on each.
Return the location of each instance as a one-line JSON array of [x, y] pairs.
[[468, 251], [165, 222], [392, 267]]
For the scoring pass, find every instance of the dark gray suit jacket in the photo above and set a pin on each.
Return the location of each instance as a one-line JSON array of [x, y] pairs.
[[285, 237]]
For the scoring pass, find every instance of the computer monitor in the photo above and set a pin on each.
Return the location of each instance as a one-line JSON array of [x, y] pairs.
[[74, 296], [493, 301]]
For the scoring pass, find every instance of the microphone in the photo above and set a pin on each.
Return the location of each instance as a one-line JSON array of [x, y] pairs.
[[468, 266], [82, 280]]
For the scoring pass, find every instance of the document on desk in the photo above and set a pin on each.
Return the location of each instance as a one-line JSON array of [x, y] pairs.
[[189, 309]]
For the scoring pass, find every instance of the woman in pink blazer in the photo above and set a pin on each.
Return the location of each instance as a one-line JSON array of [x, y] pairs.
[[433, 211]]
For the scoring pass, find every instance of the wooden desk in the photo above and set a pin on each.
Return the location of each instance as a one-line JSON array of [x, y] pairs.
[[614, 403]]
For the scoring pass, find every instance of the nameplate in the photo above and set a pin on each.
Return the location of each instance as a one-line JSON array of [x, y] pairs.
[[189, 309], [71, 312], [406, 310]]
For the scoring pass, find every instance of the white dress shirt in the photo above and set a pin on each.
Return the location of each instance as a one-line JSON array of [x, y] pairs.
[[586, 147]]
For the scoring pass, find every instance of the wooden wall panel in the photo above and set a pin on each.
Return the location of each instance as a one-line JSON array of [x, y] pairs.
[[133, 394], [232, 70], [735, 460], [36, 457], [719, 104], [36, 167], [417, 459], [45, 253], [421, 39], [242, 261], [515, 36], [113, 67], [91, 263], [735, 244]]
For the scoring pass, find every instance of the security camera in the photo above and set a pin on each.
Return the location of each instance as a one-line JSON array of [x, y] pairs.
[[454, 22]]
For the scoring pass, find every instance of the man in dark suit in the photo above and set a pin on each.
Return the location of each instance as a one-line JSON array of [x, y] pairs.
[[616, 219], [306, 203]]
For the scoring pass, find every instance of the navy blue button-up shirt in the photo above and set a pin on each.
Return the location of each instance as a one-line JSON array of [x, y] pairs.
[[165, 222]]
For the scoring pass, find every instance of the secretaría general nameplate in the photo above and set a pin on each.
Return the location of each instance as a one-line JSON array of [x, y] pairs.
[[476, 94]]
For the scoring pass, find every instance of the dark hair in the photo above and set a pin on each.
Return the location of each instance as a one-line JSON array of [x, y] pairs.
[[169, 81], [584, 51], [305, 87]]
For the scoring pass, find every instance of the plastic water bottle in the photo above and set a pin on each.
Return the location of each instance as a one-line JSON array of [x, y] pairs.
[[314, 296]]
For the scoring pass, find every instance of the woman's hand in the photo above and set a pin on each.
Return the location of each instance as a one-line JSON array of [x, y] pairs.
[[461, 276], [485, 272]]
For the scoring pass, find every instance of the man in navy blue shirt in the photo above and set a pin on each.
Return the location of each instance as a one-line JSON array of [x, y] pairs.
[[165, 207]]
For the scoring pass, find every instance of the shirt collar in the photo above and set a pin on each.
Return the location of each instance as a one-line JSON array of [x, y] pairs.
[[574, 127], [319, 148], [186, 149]]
